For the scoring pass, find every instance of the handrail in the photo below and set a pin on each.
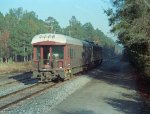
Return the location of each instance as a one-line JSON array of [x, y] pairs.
[[53, 64]]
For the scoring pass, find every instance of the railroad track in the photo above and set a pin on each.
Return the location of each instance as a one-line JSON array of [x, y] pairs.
[[23, 94], [16, 97]]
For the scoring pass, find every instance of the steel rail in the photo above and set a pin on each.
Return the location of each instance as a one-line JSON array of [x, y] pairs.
[[25, 97], [50, 85], [16, 92]]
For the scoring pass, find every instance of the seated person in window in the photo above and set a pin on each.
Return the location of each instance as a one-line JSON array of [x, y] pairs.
[[48, 58], [55, 56]]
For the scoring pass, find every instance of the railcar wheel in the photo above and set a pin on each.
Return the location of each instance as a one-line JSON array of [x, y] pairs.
[[59, 78], [62, 79]]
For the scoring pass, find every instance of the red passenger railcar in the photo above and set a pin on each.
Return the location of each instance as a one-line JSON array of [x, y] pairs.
[[59, 56]]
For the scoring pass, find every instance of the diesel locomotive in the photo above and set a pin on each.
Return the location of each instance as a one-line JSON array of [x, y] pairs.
[[56, 56]]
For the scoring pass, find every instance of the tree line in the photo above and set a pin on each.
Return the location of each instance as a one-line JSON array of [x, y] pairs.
[[130, 20], [18, 27]]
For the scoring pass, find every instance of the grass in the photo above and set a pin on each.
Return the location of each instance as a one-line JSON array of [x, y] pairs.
[[15, 67]]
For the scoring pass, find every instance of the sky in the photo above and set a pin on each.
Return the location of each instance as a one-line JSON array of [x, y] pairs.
[[62, 10]]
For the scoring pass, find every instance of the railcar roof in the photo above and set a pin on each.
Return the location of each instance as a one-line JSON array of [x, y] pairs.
[[58, 38]]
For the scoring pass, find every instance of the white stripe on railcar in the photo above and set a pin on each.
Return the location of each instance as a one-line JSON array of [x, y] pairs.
[[58, 38]]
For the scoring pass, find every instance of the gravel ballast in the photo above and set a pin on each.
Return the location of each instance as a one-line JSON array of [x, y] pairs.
[[45, 102]]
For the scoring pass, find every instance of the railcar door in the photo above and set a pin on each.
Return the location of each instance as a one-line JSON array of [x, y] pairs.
[[57, 56], [46, 55]]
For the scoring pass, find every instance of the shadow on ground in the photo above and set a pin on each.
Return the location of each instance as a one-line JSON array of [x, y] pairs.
[[25, 78], [125, 106], [116, 73], [123, 75], [144, 88], [78, 112]]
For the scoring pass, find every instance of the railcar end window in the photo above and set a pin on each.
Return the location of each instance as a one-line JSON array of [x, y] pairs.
[[58, 51]]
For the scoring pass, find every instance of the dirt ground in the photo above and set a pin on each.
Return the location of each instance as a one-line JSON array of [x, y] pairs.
[[113, 90]]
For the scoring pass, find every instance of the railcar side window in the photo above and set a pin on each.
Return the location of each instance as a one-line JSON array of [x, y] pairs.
[[74, 53], [58, 52], [68, 52], [71, 53]]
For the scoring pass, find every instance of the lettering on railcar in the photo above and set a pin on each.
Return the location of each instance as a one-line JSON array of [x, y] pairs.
[[47, 36]]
